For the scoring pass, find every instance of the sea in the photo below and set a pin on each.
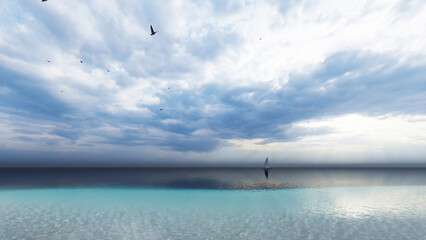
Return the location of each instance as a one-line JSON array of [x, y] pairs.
[[212, 203]]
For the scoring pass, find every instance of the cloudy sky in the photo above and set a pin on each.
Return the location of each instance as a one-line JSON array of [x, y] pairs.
[[298, 81]]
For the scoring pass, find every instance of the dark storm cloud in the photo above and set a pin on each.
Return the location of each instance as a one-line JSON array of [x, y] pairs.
[[30, 98]]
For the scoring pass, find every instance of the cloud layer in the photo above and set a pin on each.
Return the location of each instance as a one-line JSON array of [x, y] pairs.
[[225, 74]]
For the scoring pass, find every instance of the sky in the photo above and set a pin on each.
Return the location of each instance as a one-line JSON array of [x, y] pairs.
[[303, 82]]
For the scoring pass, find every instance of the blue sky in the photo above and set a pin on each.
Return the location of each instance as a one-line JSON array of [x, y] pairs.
[[300, 81]]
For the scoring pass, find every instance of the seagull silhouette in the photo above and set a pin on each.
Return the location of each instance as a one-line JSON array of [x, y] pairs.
[[47, 60], [81, 61], [152, 31]]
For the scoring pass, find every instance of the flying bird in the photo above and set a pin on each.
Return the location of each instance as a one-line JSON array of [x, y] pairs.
[[161, 109], [81, 61], [47, 60], [107, 70], [152, 31], [43, 0], [266, 168]]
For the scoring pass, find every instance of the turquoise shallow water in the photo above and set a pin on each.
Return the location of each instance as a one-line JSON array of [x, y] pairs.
[[367, 212]]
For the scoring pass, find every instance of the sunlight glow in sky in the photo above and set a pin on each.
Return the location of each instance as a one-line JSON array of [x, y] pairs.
[[298, 81]]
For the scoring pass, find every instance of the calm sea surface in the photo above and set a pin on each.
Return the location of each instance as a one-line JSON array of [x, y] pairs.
[[212, 203]]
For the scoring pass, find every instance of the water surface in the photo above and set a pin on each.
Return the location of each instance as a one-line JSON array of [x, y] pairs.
[[212, 204]]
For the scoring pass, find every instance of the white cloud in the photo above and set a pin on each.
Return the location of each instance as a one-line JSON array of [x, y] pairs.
[[352, 138]]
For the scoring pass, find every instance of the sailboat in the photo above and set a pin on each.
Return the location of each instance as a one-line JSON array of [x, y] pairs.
[[266, 168]]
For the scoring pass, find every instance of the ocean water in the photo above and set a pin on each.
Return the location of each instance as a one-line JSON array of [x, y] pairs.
[[212, 204]]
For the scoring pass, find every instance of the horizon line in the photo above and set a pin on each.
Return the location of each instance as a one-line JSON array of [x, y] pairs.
[[199, 165]]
